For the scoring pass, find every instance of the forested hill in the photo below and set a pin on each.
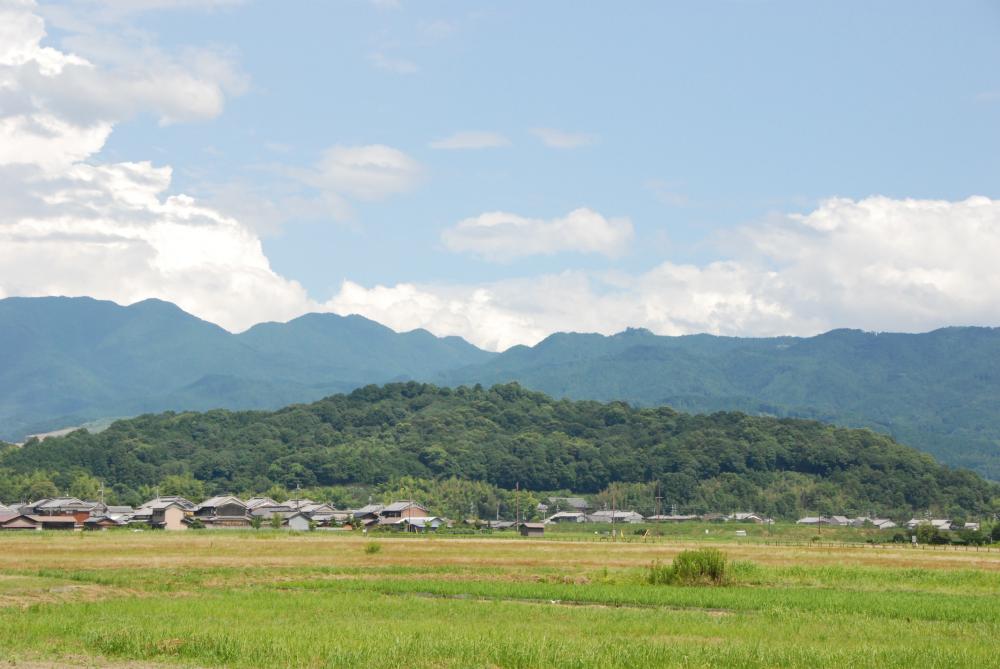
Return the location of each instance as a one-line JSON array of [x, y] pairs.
[[67, 361], [507, 435], [937, 391]]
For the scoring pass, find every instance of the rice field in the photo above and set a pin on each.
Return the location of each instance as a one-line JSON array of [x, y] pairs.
[[268, 599]]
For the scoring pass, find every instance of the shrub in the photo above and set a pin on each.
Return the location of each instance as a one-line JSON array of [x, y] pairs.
[[372, 548], [706, 566]]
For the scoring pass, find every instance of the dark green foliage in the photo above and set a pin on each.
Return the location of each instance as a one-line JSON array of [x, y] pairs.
[[938, 392], [704, 566], [508, 435], [64, 361]]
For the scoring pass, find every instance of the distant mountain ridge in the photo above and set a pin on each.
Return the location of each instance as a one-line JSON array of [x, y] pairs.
[[65, 361]]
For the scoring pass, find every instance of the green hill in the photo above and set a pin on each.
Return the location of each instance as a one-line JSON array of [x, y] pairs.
[[507, 436], [64, 362], [939, 391]]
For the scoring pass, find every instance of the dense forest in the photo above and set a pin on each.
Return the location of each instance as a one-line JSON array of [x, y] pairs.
[[411, 438]]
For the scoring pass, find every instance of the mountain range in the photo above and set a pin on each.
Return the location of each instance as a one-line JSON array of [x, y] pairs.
[[65, 361]]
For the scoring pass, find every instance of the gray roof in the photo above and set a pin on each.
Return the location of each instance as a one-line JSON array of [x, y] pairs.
[[402, 506], [63, 502], [254, 502], [369, 508], [219, 500]]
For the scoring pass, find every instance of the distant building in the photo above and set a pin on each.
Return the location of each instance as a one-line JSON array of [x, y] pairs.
[[577, 504], [223, 511], [532, 529], [614, 517], [403, 509], [164, 513]]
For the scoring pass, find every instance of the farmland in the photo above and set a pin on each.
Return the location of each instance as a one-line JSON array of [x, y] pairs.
[[269, 599]]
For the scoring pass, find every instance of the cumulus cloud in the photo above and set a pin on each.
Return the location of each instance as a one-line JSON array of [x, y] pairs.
[[368, 172], [559, 139], [471, 139], [69, 227], [52, 98], [502, 236], [876, 264]]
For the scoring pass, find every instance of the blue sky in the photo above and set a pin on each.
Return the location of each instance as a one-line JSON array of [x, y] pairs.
[[707, 141]]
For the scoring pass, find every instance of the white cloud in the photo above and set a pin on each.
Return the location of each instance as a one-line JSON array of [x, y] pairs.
[[502, 236], [108, 231], [368, 172], [69, 227], [876, 264], [50, 98], [394, 65], [558, 139], [471, 139]]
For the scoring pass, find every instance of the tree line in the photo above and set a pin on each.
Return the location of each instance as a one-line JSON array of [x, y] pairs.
[[381, 440]]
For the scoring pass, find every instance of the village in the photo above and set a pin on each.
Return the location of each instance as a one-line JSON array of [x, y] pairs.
[[229, 512]]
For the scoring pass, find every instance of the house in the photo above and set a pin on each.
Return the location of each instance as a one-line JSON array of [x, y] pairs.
[[18, 522], [614, 517], [971, 526], [840, 521], [23, 521], [713, 518], [255, 502], [223, 511], [566, 517], [268, 510], [298, 521], [747, 517], [420, 523], [368, 514], [813, 520], [672, 518], [63, 506], [105, 521], [532, 529], [878, 523], [576, 504], [315, 509], [403, 509], [937, 523], [120, 510], [164, 513], [6, 511]]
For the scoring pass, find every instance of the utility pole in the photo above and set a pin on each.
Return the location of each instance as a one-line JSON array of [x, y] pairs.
[[659, 500], [517, 504]]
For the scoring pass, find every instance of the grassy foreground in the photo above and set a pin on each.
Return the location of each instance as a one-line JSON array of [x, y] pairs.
[[244, 599]]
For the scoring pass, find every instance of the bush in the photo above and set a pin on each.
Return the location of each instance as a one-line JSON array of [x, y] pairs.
[[372, 548], [706, 566]]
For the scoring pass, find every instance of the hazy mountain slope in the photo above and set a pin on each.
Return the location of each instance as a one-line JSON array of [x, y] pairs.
[[64, 361], [938, 391]]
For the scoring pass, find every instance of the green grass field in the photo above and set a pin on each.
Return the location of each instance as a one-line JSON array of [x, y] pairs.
[[268, 599]]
